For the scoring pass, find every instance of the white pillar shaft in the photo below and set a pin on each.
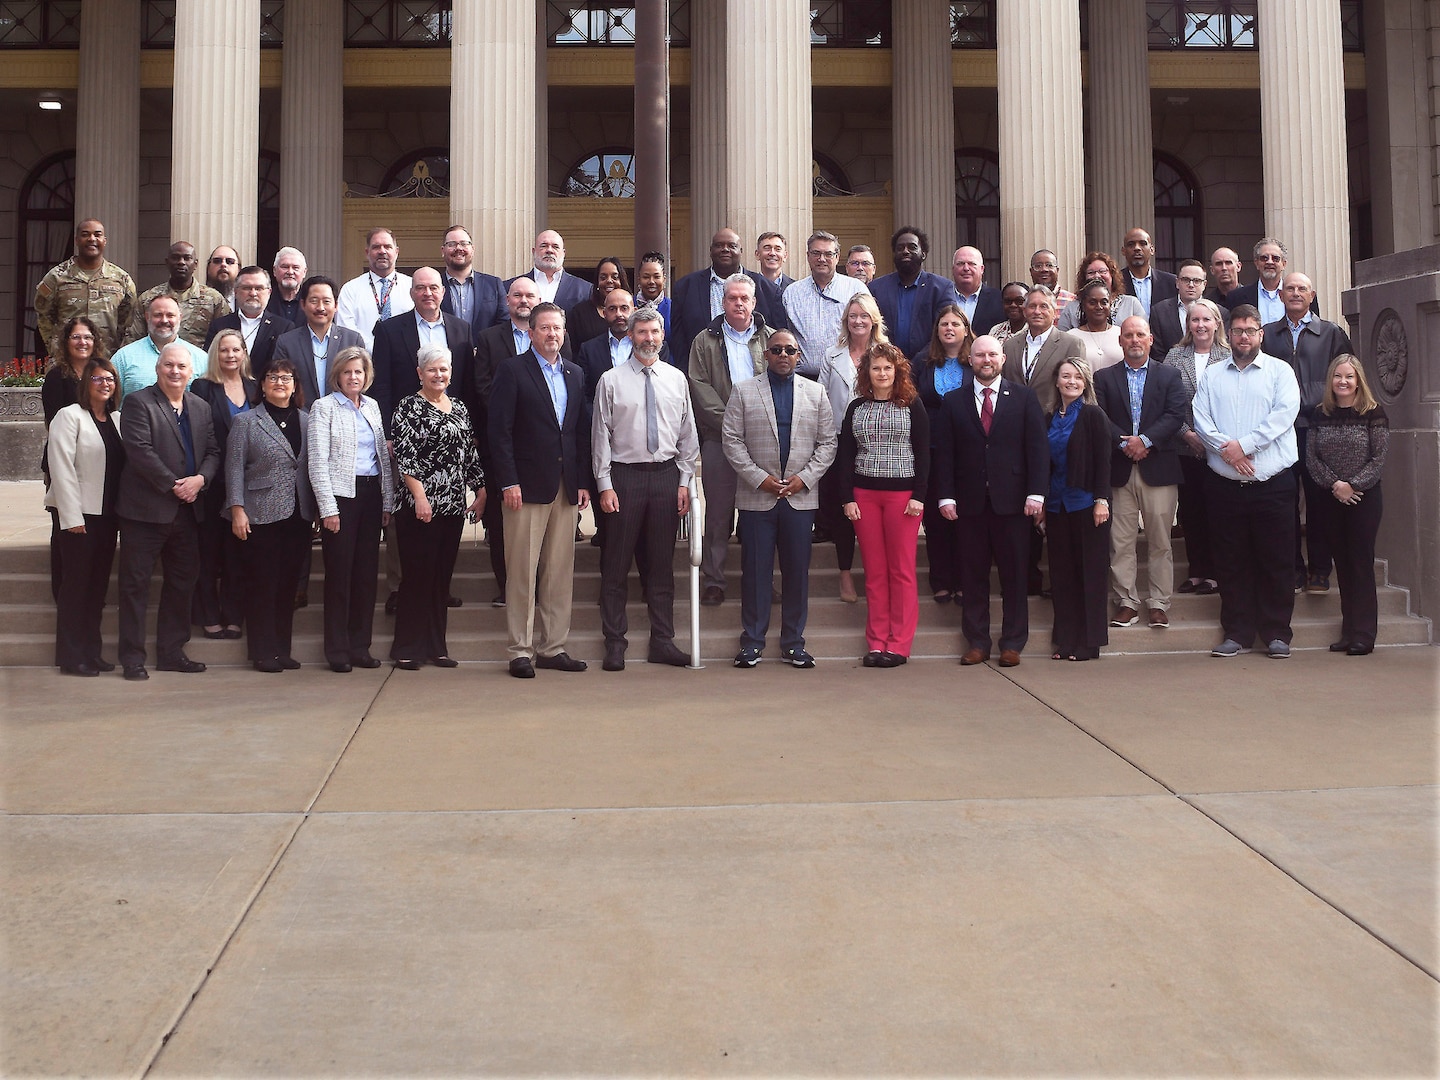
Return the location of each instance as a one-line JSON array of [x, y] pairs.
[[493, 118], [768, 167], [214, 177], [1042, 156], [708, 204], [542, 119], [1121, 147], [1302, 137], [924, 126], [107, 125], [312, 134]]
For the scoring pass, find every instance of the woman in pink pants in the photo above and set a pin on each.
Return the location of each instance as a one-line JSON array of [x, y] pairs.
[[884, 463]]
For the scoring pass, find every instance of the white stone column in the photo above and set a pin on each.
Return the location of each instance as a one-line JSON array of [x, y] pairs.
[[768, 166], [107, 126], [312, 134], [542, 120], [214, 175], [492, 130], [1302, 141], [1121, 149], [1042, 155], [923, 105], [709, 208]]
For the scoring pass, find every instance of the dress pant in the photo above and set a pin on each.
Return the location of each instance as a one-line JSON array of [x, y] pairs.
[[273, 556], [1079, 576], [718, 479], [645, 521], [494, 521], [427, 561], [1195, 519], [1351, 531], [86, 561], [540, 584], [1254, 555], [1316, 542], [1003, 539], [1130, 503], [56, 560], [220, 590], [763, 533], [177, 547], [888, 539], [833, 520], [352, 566]]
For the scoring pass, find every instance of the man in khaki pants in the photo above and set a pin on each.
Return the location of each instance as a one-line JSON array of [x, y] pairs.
[[540, 455]]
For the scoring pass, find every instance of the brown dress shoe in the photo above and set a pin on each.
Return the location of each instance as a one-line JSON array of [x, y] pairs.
[[1009, 658], [973, 657], [1158, 619], [1125, 616]]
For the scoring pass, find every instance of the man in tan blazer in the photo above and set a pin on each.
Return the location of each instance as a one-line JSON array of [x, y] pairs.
[[779, 437]]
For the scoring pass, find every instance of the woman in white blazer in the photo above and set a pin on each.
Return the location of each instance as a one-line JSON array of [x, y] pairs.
[[85, 457], [353, 478]]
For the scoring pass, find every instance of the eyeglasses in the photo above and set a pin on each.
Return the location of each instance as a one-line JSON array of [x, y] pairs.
[[82, 337], [458, 244], [823, 254], [224, 261], [1245, 331], [101, 380], [783, 350], [1192, 281], [278, 378]]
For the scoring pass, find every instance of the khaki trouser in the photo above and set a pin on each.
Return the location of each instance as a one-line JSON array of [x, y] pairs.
[[540, 583], [1130, 504]]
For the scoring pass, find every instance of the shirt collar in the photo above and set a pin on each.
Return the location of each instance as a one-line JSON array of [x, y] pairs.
[[1304, 321]]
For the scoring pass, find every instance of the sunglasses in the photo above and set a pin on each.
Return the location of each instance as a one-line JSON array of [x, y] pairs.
[[783, 350]]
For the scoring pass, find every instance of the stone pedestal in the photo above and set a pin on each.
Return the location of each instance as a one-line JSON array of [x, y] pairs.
[[214, 179], [22, 432], [107, 125], [312, 135], [1393, 314], [1042, 148], [1121, 148], [924, 125]]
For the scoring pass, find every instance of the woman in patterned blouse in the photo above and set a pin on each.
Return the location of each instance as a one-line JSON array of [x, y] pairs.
[[435, 453], [1345, 453]]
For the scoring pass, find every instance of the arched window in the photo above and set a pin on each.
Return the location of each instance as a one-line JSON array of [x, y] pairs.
[[828, 177], [1178, 235], [418, 174], [45, 232], [267, 221], [977, 202], [607, 173]]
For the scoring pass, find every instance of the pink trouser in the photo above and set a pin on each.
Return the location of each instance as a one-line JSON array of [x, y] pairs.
[[887, 539]]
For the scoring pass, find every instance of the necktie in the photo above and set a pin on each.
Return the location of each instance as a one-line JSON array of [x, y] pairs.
[[384, 305], [652, 419], [987, 410]]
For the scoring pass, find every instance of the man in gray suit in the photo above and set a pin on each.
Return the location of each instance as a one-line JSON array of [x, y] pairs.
[[779, 437], [170, 458]]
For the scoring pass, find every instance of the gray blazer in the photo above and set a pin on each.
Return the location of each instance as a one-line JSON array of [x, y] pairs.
[[1182, 358], [155, 455], [294, 345], [752, 441], [262, 474], [331, 445]]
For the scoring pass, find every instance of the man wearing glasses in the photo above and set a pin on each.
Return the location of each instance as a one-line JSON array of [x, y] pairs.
[[813, 305], [779, 437], [221, 272], [1271, 258], [477, 298], [1167, 317], [1045, 270]]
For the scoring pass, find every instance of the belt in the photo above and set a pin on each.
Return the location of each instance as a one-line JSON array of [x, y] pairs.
[[644, 466], [361, 478]]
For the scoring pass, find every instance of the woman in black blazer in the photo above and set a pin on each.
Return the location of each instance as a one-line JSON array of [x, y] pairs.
[[586, 319], [226, 386], [1077, 516]]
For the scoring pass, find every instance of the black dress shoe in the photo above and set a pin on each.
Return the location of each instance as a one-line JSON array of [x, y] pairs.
[[444, 661], [614, 657], [561, 661], [522, 668], [367, 661], [1359, 649], [231, 633], [85, 671], [872, 658], [136, 673], [454, 601], [271, 667], [214, 635], [391, 602], [667, 652], [100, 664], [181, 663], [289, 663], [713, 596], [408, 665], [1340, 646], [890, 659], [342, 667], [301, 600]]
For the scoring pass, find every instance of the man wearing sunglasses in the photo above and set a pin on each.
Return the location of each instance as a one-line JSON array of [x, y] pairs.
[[779, 437]]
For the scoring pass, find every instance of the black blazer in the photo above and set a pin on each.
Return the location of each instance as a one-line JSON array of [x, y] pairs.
[[397, 341], [1163, 286], [1250, 294], [266, 334], [1165, 326], [593, 360], [1162, 412], [527, 446], [568, 293], [213, 394], [997, 470], [1087, 454], [1320, 342], [989, 310], [932, 290], [489, 302], [690, 310], [155, 455], [294, 345]]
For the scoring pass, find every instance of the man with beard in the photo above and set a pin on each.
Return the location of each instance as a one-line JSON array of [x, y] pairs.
[[253, 319], [910, 298], [477, 298], [135, 363], [221, 272], [290, 270], [199, 304], [699, 296], [548, 273]]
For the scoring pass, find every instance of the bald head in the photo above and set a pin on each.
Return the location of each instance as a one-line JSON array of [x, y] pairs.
[[426, 292], [725, 252]]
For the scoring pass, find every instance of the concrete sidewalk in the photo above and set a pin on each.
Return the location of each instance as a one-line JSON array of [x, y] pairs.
[[1144, 865]]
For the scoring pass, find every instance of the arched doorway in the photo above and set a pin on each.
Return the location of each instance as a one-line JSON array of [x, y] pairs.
[[44, 233]]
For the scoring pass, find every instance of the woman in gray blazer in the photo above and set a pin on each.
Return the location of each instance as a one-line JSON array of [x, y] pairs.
[[351, 472], [85, 457], [271, 507]]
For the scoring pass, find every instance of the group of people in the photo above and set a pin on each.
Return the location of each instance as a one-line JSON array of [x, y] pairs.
[[840, 406]]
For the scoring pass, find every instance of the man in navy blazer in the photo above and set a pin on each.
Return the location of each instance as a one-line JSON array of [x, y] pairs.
[[992, 462], [981, 303], [1144, 472], [397, 342], [540, 454], [696, 301], [1271, 258], [1147, 284], [477, 298], [910, 327], [600, 354], [252, 295], [564, 290]]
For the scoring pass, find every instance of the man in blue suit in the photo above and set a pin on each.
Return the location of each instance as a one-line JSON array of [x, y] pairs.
[[698, 296], [981, 303], [551, 282], [477, 298], [910, 298]]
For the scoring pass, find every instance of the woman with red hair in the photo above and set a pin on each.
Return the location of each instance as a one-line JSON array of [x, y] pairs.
[[884, 465]]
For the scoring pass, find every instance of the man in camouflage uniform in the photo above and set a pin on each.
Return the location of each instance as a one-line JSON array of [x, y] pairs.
[[199, 304], [86, 284]]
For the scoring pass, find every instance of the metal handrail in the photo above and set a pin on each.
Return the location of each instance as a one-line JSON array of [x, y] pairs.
[[696, 530]]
